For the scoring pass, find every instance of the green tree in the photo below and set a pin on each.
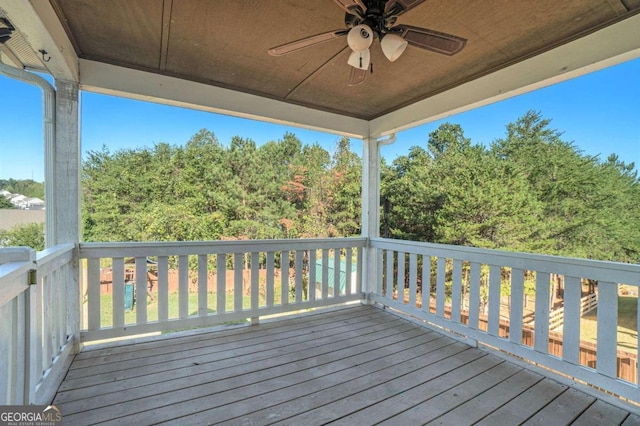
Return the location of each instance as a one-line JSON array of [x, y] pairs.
[[26, 187], [345, 191], [5, 203], [30, 235], [586, 204]]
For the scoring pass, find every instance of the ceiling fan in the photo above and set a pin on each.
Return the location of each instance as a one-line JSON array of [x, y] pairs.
[[366, 20]]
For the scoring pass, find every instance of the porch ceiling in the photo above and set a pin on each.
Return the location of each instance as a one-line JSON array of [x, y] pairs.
[[223, 45]]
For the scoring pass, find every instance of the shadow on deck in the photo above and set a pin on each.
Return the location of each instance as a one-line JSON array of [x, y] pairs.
[[354, 365]]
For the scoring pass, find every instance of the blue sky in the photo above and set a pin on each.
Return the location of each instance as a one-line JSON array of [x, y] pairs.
[[599, 113]]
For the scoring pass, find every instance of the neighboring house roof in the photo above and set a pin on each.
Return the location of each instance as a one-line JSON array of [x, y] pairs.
[[17, 197], [34, 201], [10, 218], [5, 193]]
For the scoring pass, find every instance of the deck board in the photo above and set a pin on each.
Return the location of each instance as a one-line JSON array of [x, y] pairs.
[[524, 405], [600, 413], [354, 365]]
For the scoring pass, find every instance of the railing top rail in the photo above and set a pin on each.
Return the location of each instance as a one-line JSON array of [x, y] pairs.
[[132, 249], [594, 269], [15, 266], [16, 254], [49, 254], [52, 258]]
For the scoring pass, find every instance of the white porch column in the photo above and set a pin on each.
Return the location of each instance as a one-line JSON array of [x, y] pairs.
[[370, 211], [66, 193], [66, 165]]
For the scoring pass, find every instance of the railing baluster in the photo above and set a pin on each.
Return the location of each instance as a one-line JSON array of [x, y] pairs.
[[284, 277], [35, 321], [255, 281], [474, 295], [336, 272], [325, 274], [541, 332], [389, 275], [183, 286], [456, 290], [360, 268], [270, 278], [517, 300], [141, 290], [400, 282], [117, 290], [426, 283], [348, 272], [378, 287], [93, 294], [163, 288], [221, 283], [238, 267], [47, 314], [606, 356], [571, 325], [54, 297], [56, 322], [312, 276], [203, 283], [298, 275], [413, 279], [441, 272], [494, 300]]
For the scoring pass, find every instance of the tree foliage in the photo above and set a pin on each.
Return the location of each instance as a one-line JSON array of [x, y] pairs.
[[6, 204], [530, 191], [26, 187], [29, 235], [206, 191]]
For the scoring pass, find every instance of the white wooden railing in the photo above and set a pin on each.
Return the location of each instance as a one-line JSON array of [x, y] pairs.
[[182, 285], [459, 289], [191, 284], [36, 338]]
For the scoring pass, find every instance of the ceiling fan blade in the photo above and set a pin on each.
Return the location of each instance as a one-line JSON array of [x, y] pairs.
[[357, 76], [306, 42], [398, 7], [353, 7], [444, 43]]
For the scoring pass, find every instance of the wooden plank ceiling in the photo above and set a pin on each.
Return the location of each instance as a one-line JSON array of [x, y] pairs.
[[225, 43]]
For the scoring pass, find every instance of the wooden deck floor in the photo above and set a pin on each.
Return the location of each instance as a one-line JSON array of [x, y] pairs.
[[357, 365]]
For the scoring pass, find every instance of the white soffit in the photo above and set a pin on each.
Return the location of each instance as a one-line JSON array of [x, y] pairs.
[[609, 46], [39, 25], [119, 81]]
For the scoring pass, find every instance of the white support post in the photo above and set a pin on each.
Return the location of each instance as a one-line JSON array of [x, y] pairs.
[[65, 196], [371, 210]]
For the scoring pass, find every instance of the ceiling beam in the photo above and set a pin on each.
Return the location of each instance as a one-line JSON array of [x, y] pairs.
[[609, 46], [125, 82], [39, 25]]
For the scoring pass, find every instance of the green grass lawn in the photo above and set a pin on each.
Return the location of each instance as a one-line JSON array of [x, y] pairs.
[[627, 324]]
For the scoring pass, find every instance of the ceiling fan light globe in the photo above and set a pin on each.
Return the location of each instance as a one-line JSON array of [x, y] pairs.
[[360, 60], [360, 38], [393, 46]]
